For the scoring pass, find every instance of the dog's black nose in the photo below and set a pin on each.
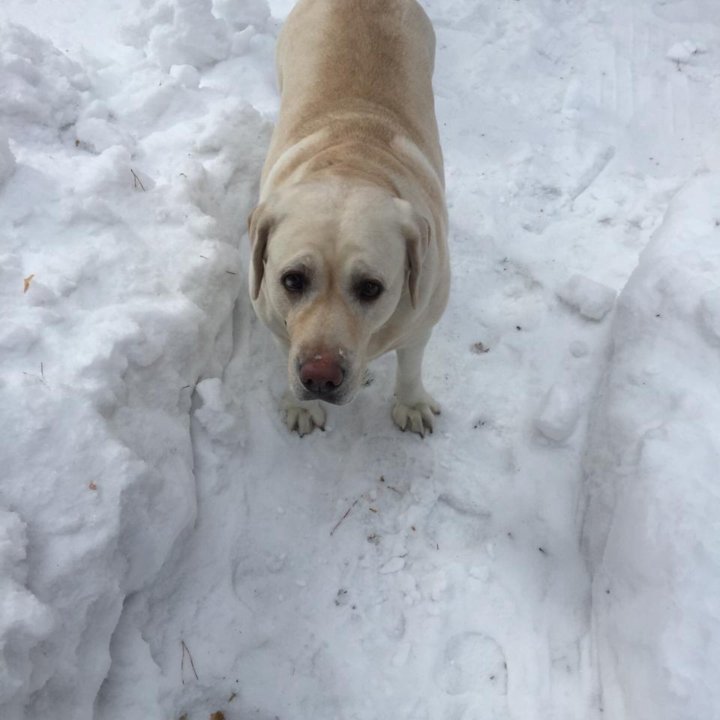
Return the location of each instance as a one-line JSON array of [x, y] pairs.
[[321, 375]]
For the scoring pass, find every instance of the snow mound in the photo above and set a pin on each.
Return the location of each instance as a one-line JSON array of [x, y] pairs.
[[118, 288], [38, 84], [196, 33], [651, 527]]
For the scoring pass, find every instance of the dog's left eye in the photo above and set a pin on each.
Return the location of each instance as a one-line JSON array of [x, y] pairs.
[[294, 282], [368, 290]]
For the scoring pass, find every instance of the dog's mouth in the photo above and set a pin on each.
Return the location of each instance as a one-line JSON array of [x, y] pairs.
[[336, 397]]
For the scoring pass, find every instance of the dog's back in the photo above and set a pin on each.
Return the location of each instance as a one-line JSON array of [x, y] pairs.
[[344, 57]]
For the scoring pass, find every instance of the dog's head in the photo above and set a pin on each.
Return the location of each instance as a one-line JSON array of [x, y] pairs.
[[330, 267]]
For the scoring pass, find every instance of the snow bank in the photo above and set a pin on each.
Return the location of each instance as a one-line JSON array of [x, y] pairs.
[[188, 32], [120, 218], [39, 85], [651, 527]]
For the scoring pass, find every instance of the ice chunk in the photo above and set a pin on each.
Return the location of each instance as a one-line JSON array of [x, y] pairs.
[[559, 414], [186, 75], [591, 299], [682, 52]]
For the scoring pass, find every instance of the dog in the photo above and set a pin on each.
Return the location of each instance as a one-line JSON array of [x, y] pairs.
[[349, 256]]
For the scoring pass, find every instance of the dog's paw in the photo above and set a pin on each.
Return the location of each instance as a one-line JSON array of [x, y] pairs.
[[417, 417], [303, 417]]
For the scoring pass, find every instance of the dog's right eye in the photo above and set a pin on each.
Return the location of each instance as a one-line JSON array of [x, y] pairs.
[[294, 282], [368, 290]]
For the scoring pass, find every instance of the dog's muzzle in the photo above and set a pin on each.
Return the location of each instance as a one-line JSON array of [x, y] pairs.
[[323, 377]]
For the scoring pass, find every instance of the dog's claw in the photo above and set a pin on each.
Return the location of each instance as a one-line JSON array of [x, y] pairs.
[[303, 417], [417, 417]]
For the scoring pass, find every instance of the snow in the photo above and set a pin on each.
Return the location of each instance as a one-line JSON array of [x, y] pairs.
[[591, 299], [168, 549], [560, 413], [652, 518], [7, 160], [682, 52]]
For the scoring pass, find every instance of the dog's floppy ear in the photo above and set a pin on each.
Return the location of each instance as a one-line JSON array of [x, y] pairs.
[[416, 229], [260, 224]]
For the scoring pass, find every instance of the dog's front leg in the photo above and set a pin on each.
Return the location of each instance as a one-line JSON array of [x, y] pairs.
[[414, 407]]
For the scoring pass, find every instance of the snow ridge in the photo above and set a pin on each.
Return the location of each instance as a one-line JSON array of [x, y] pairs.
[[105, 342], [651, 522]]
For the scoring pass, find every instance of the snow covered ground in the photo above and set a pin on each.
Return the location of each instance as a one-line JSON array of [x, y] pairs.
[[167, 549]]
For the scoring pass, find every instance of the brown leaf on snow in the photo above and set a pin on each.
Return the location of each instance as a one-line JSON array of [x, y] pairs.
[[27, 281]]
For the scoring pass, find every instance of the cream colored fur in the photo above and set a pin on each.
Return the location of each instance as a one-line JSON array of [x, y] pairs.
[[352, 188]]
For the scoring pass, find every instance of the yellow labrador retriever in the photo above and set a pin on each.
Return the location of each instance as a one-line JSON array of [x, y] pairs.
[[349, 251]]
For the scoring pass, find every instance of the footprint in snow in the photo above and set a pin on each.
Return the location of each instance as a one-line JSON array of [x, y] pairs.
[[473, 663]]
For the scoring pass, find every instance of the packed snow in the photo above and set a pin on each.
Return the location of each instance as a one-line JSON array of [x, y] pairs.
[[654, 501], [168, 550]]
